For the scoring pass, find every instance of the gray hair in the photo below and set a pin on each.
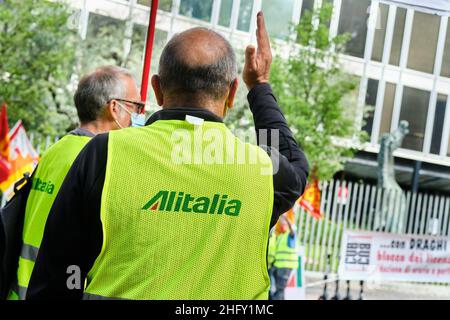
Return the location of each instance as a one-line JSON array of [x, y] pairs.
[[212, 80], [96, 89]]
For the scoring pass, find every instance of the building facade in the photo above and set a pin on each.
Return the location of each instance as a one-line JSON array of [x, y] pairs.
[[401, 55]]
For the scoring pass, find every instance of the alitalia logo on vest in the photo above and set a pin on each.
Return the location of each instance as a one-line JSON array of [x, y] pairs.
[[42, 186], [174, 201]]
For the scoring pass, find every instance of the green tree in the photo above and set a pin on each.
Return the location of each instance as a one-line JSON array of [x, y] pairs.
[[37, 54], [42, 58], [316, 95]]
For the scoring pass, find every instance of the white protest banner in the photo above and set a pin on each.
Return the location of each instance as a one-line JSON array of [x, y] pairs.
[[384, 256]]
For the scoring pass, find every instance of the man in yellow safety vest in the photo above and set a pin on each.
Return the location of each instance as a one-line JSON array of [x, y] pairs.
[[216, 195], [105, 100], [286, 259]]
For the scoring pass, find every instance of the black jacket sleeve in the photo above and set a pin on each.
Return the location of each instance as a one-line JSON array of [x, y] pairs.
[[289, 162]]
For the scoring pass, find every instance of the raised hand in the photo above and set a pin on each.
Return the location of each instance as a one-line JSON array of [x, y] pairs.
[[258, 61]]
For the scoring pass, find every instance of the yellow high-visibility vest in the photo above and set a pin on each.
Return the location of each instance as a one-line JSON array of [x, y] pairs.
[[176, 223], [285, 257], [48, 178], [272, 249]]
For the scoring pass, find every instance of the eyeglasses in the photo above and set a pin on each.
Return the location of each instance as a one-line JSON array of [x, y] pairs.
[[139, 105]]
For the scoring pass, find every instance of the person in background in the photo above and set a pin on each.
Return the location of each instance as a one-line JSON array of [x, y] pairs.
[[286, 259], [106, 99], [271, 252]]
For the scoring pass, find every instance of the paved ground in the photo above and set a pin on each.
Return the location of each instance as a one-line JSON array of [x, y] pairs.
[[379, 291]]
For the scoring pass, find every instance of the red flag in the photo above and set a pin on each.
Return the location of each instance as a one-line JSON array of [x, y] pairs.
[[310, 200], [22, 158], [290, 215], [5, 167]]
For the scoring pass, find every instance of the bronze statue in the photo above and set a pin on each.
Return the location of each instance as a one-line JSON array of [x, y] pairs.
[[390, 216]]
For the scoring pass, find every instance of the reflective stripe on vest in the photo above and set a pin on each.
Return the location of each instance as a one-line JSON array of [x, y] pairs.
[[89, 296], [285, 257], [29, 252], [17, 292], [180, 227], [49, 175]]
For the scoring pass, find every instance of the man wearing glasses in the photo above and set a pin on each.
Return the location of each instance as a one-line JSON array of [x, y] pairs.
[[137, 118], [107, 99]]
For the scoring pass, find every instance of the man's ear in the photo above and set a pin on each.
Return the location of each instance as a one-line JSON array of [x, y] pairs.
[[232, 93], [156, 85], [112, 110]]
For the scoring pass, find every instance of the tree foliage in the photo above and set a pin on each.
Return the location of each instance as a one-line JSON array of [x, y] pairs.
[[316, 95], [37, 54], [42, 59]]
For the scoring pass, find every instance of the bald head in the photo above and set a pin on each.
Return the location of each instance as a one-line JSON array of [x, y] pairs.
[[197, 63]]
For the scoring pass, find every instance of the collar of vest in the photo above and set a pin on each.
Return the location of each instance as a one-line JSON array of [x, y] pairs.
[[82, 133], [180, 114]]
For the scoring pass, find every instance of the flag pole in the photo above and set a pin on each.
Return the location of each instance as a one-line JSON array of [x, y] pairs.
[[149, 49]]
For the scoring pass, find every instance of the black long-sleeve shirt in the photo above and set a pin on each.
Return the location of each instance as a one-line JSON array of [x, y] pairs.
[[73, 233]]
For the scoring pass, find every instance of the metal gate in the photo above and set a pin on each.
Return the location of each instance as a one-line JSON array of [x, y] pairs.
[[356, 206]]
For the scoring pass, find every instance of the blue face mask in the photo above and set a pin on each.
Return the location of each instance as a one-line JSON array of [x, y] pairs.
[[137, 120]]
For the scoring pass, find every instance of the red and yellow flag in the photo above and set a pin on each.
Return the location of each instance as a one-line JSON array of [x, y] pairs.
[[290, 215], [22, 158], [5, 167], [310, 200]]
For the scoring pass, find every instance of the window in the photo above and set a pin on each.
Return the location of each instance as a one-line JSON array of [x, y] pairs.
[[280, 17], [307, 5], [165, 5], [100, 24], [438, 127], [135, 58], [388, 107], [353, 20], [226, 6], [448, 152], [380, 32], [350, 100], [414, 110], [371, 100], [108, 51], [245, 15], [424, 38], [446, 61], [197, 9], [397, 38], [329, 3], [138, 46]]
